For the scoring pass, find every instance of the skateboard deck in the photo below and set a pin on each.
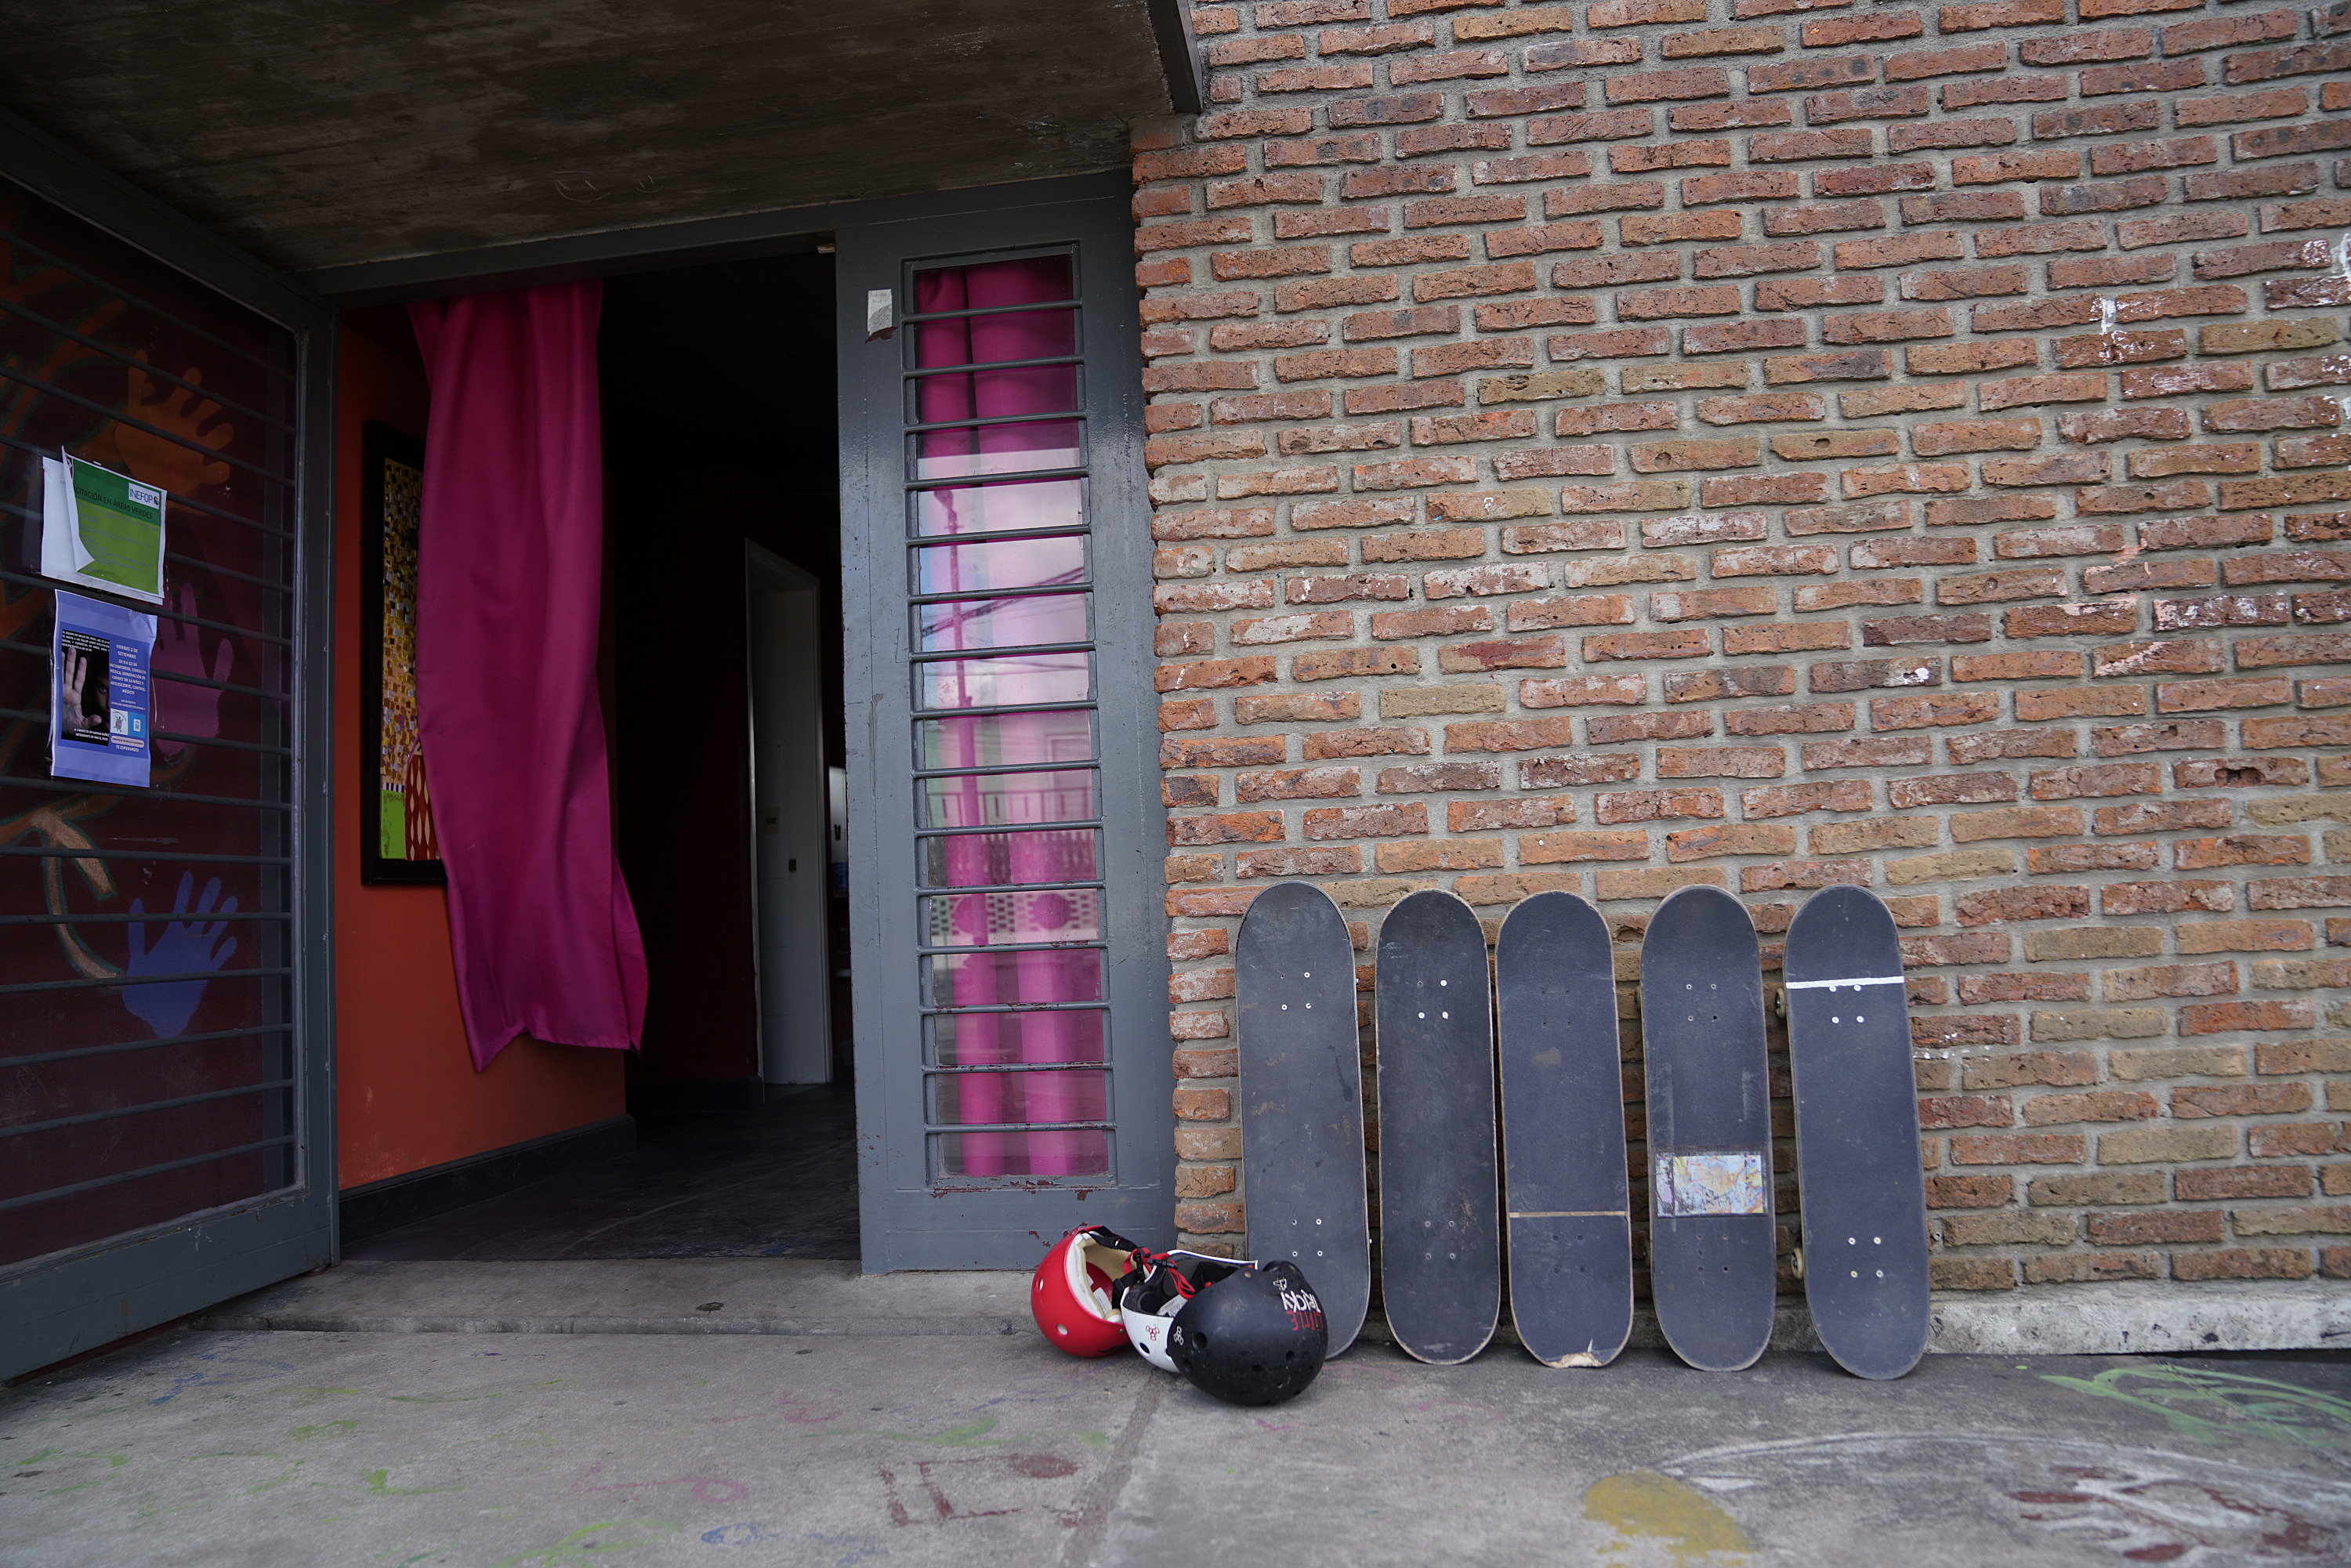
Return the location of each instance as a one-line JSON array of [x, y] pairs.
[[1563, 1132], [1302, 1092], [1441, 1234], [1709, 1122], [1864, 1198]]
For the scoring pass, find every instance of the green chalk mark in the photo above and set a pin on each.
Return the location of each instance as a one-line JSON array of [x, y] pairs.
[[378, 1484], [2258, 1407], [576, 1546]]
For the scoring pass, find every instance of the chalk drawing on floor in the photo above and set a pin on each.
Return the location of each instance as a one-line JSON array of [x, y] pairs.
[[2218, 1408], [2142, 1505]]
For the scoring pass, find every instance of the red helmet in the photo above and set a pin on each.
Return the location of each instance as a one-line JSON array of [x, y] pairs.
[[1075, 1289]]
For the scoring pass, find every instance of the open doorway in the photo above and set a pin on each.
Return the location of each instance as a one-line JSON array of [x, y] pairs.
[[935, 456], [721, 673]]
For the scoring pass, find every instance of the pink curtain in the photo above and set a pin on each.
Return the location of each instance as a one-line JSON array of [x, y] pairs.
[[1014, 857], [510, 556]]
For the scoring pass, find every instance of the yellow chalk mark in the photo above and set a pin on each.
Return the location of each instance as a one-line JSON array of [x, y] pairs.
[[1645, 1506]]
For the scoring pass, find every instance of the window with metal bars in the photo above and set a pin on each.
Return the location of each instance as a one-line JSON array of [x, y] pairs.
[[1005, 825], [1016, 1029]]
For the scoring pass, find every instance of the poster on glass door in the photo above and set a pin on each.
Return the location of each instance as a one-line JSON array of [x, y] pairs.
[[99, 655], [101, 529]]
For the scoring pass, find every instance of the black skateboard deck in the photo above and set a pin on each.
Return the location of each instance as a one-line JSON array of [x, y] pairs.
[[1301, 1090], [1710, 1112], [1440, 1231], [1563, 1132], [1864, 1197]]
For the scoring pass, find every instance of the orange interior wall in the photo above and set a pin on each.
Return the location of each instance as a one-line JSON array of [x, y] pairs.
[[406, 1094]]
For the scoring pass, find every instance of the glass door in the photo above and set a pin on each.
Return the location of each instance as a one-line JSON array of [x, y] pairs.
[[164, 1133], [1012, 1055]]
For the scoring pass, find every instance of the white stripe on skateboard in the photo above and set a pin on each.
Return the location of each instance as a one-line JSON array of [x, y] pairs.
[[1575, 1214], [1832, 984]]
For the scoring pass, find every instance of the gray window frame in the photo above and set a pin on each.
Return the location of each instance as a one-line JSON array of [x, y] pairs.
[[909, 1219], [67, 1302]]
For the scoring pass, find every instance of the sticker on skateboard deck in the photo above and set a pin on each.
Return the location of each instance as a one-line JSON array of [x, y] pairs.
[[1563, 1132], [1440, 1233], [1301, 1090], [1864, 1196], [1710, 1116]]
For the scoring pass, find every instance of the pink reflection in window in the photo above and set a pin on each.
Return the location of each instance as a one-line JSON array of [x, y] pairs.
[[1020, 859], [1075, 1152], [952, 1093], [1019, 503]]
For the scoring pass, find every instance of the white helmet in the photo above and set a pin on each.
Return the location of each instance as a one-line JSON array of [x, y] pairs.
[[1149, 1305]]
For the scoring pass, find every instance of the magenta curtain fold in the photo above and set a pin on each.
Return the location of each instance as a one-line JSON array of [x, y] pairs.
[[510, 560]]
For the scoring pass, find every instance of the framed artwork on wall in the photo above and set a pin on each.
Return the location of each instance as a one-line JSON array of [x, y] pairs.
[[396, 839]]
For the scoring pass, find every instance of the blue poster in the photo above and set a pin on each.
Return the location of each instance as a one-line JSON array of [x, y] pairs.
[[98, 691]]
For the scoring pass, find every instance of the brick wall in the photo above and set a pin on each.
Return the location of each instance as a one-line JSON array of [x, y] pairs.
[[1777, 443]]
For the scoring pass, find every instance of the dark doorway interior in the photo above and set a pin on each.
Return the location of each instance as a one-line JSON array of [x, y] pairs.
[[776, 1182], [720, 428]]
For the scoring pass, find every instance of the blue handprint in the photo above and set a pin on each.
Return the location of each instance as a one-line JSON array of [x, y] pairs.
[[185, 947]]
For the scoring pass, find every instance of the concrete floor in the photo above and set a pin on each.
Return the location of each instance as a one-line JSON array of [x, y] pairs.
[[501, 1449]]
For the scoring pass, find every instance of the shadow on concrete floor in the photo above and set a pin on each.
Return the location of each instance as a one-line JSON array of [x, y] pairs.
[[776, 1182]]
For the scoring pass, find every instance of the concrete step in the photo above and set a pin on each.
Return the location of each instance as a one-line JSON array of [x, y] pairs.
[[641, 1296], [808, 1297]]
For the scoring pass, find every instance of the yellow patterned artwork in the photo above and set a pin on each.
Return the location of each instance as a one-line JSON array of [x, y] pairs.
[[405, 822], [400, 843]]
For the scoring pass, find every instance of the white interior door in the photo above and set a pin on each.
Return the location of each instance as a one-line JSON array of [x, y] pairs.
[[790, 798]]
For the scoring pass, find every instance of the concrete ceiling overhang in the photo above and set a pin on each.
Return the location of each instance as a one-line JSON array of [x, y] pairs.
[[326, 133]]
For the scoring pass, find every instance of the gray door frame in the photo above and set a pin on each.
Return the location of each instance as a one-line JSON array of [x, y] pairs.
[[912, 1218], [916, 1226], [67, 1302]]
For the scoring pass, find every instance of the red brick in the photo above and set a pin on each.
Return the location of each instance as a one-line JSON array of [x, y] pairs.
[[2243, 1263], [2278, 141], [1255, 123], [1580, 52], [1868, 103], [2141, 75], [2208, 1185], [1970, 1191], [2158, 1225], [1742, 336], [1909, 629], [1985, 132], [1399, 108], [1916, 64], [2220, 1017], [2308, 60], [2006, 88], [2104, 119], [2000, 13], [2018, 1149], [1721, 762]]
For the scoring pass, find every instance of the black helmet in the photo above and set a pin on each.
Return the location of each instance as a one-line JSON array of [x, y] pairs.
[[1255, 1337], [1161, 1285]]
